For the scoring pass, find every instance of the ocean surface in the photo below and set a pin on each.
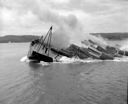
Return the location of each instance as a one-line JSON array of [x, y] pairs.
[[78, 82]]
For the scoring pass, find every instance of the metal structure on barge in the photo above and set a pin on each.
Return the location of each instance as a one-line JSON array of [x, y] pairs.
[[40, 48]]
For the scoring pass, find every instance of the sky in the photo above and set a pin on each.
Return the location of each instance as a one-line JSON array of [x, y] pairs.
[[74, 17]]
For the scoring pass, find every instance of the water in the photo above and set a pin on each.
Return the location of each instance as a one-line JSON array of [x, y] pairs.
[[80, 82]]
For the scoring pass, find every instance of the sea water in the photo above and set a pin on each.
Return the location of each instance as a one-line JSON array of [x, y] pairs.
[[71, 81]]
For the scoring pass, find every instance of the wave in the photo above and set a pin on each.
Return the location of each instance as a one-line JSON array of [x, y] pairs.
[[74, 60], [24, 59], [122, 59], [66, 60]]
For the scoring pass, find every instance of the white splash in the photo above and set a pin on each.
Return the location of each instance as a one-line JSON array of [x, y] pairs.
[[44, 63], [24, 59], [122, 59], [66, 60], [77, 60]]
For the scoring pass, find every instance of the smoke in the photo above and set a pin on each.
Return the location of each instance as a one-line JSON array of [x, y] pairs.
[[66, 28], [120, 44], [98, 40], [123, 44], [60, 39]]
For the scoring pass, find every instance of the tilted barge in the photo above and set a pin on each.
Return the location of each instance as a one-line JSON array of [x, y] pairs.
[[42, 50]]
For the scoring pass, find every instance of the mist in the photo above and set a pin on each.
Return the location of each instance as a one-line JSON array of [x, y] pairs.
[[68, 28], [60, 39]]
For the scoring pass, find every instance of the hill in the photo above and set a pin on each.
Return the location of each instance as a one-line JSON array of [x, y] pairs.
[[112, 36], [29, 38], [14, 38]]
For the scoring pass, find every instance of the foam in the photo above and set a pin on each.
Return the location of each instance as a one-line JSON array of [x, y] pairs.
[[66, 60], [75, 60], [24, 59]]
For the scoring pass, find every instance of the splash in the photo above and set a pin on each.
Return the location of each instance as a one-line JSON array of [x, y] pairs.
[[44, 63], [121, 44], [124, 44], [65, 60], [24, 59], [77, 60], [123, 59], [98, 40]]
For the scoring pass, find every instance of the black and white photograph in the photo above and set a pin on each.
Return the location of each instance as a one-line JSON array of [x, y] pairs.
[[63, 51]]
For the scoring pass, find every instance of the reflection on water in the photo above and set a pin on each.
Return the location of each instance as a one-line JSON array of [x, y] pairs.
[[75, 83], [34, 65]]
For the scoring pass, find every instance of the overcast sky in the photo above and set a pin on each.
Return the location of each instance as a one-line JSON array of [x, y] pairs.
[[36, 16]]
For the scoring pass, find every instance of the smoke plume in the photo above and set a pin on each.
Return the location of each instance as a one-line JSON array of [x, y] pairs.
[[67, 28], [60, 39]]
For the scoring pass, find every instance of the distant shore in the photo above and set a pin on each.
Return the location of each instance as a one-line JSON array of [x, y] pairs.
[[29, 38], [17, 39], [112, 36]]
